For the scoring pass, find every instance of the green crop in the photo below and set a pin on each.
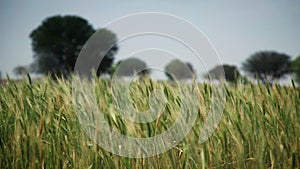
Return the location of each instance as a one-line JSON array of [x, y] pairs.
[[260, 127]]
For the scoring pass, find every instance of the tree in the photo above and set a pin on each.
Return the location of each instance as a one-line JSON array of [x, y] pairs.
[[267, 65], [230, 73], [296, 68], [21, 70], [57, 42], [179, 70], [130, 66]]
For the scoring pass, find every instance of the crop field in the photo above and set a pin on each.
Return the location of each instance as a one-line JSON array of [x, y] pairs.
[[259, 128]]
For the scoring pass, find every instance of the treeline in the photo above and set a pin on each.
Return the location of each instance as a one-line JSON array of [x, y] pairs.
[[57, 42]]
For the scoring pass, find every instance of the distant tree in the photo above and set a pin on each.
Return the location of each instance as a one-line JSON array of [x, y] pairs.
[[296, 68], [131, 66], [267, 65], [179, 70], [21, 70], [59, 39], [0, 74], [230, 73]]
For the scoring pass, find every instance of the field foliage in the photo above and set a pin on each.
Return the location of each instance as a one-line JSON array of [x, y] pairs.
[[260, 127]]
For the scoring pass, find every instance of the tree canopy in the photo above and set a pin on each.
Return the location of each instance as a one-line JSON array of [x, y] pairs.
[[230, 73], [21, 70], [296, 68], [267, 65], [130, 67], [179, 70], [56, 44]]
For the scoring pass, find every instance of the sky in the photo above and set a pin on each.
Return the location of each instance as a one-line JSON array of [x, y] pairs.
[[237, 29]]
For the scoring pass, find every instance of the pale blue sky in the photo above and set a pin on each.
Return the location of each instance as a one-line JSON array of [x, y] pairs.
[[236, 28]]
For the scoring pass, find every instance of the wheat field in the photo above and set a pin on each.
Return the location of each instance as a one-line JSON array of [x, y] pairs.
[[260, 127]]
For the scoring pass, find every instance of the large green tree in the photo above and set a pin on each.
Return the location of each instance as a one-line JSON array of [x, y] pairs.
[[179, 70], [267, 65], [296, 68], [228, 72], [57, 42]]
